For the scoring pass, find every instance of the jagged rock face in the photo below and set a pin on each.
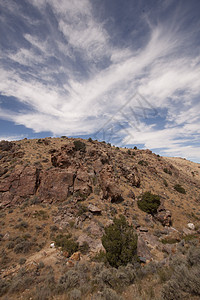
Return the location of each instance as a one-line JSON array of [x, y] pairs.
[[6, 146], [132, 175], [21, 183], [73, 172], [56, 184], [110, 185]]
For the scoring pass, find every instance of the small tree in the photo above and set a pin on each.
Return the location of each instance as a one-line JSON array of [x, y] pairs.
[[120, 242], [79, 146], [179, 189], [149, 203]]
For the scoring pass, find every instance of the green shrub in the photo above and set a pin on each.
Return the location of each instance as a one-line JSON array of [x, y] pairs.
[[143, 163], [167, 171], [79, 146], [135, 148], [84, 248], [149, 203], [100, 257], [129, 152], [90, 140], [66, 243], [179, 189], [165, 182], [120, 242]]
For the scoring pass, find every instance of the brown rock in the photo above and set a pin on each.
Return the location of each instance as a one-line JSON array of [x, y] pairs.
[[76, 256], [82, 183], [164, 217], [94, 209], [55, 184], [142, 249], [70, 263], [109, 185]]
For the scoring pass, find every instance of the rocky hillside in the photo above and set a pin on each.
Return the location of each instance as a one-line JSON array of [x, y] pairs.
[[56, 186]]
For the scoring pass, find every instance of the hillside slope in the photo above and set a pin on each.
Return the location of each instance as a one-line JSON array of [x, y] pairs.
[[54, 186]]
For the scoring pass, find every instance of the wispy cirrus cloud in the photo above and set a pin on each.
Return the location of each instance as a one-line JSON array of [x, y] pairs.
[[67, 69]]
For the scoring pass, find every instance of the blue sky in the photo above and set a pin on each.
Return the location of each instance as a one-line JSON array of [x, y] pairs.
[[124, 71]]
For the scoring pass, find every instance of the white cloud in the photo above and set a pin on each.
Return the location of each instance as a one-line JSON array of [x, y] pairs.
[[70, 96]]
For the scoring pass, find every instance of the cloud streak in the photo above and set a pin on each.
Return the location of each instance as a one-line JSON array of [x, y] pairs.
[[66, 68]]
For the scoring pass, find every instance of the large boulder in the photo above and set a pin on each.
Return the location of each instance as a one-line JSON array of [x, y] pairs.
[[82, 185], [21, 183], [131, 174], [164, 216], [56, 185], [110, 185]]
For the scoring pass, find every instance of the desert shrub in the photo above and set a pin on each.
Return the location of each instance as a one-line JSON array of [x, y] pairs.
[[169, 241], [23, 247], [22, 260], [84, 248], [22, 225], [35, 200], [54, 228], [179, 189], [184, 280], [90, 140], [100, 257], [129, 152], [42, 293], [106, 278], [81, 209], [79, 146], [120, 242], [75, 294], [149, 203], [135, 148], [11, 245], [41, 214], [66, 243], [4, 286], [193, 256], [21, 281], [167, 171], [70, 279], [143, 163], [165, 182], [110, 294]]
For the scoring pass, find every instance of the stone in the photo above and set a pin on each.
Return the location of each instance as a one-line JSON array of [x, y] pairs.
[[142, 248], [131, 195], [55, 184], [191, 226], [164, 216], [94, 229], [70, 263], [94, 209], [76, 256], [143, 229]]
